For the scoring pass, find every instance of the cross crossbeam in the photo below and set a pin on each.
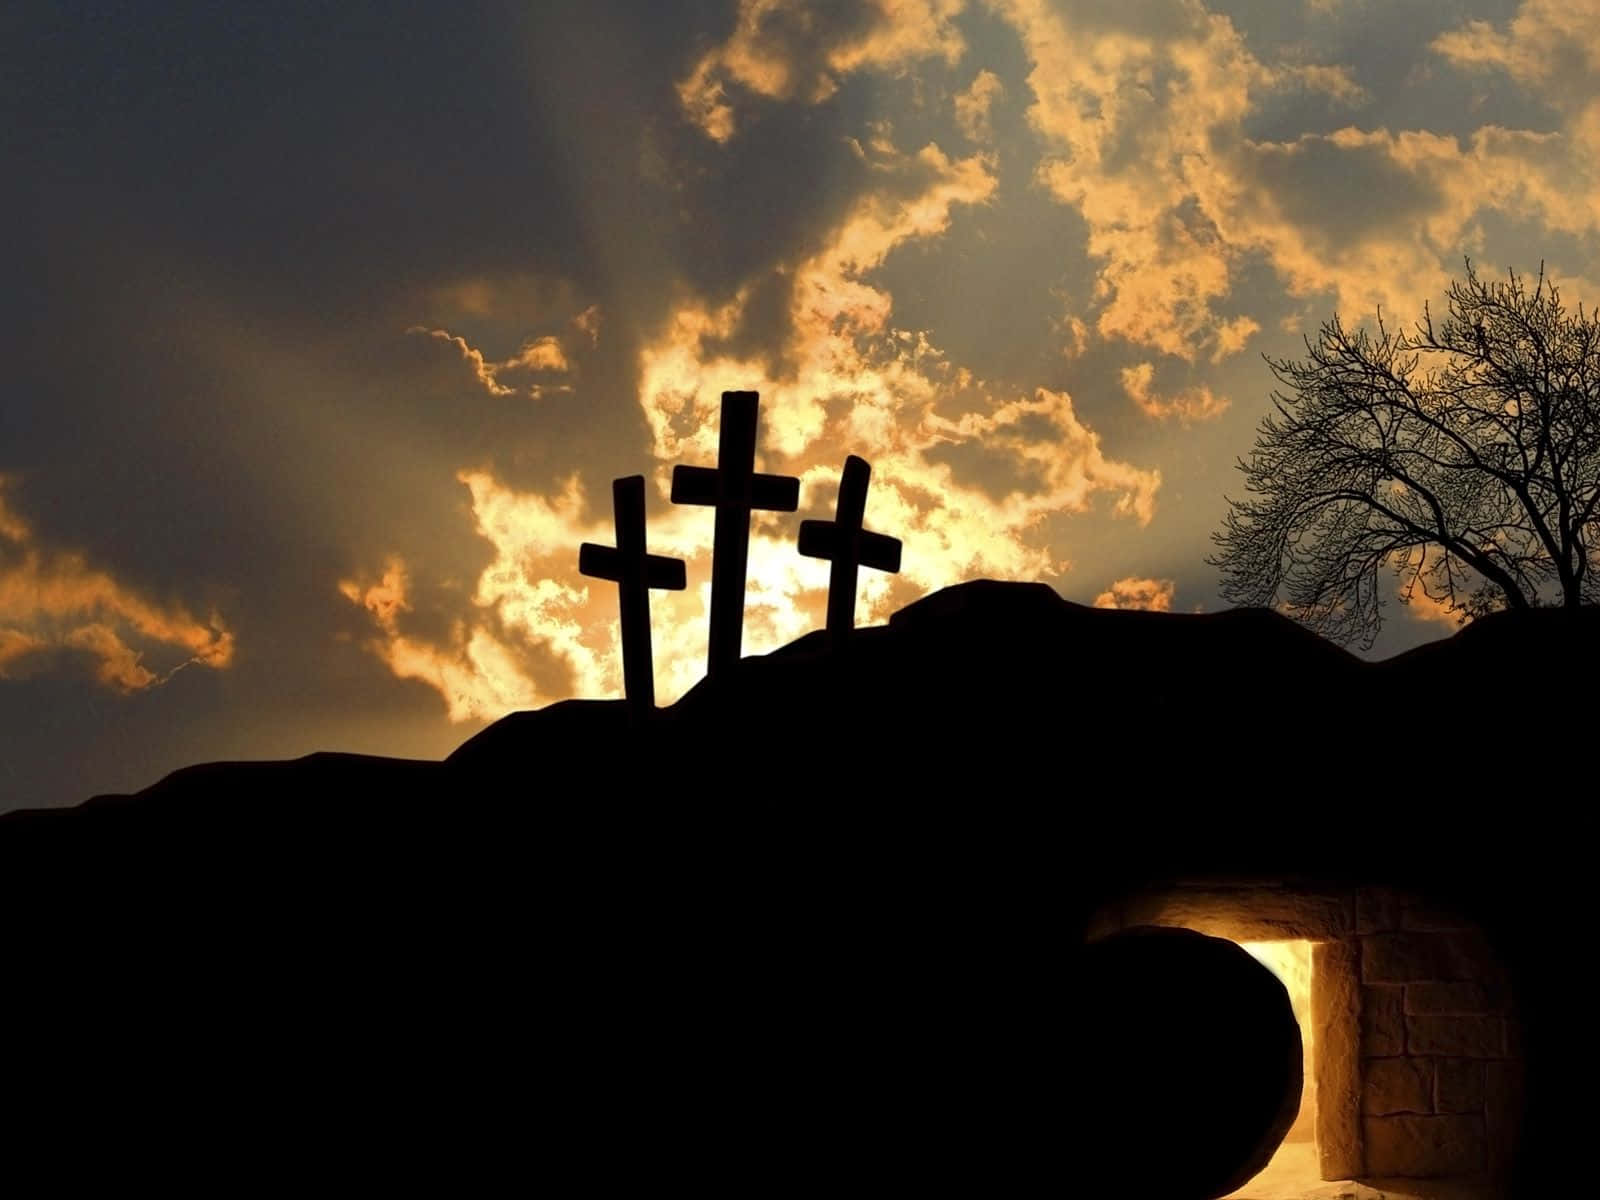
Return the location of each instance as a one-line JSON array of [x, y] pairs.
[[734, 489], [848, 546], [635, 572]]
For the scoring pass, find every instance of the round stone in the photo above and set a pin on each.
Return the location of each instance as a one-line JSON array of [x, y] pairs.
[[1188, 1065]]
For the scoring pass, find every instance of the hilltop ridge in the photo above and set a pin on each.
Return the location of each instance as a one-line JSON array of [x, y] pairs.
[[982, 693]]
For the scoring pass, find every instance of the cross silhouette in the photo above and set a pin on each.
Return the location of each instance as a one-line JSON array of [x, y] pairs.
[[734, 489], [849, 546], [634, 572]]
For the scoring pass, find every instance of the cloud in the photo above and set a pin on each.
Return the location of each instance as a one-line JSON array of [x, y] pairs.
[[531, 609], [12, 527], [117, 664], [1552, 49], [1153, 594], [1131, 109], [478, 676], [787, 51], [831, 308], [972, 106], [1142, 112], [1187, 405], [969, 474], [1413, 593], [588, 323], [384, 599], [1551, 45], [15, 644], [531, 606], [1306, 205], [1307, 202], [1332, 79], [542, 355], [482, 370], [845, 378], [51, 600]]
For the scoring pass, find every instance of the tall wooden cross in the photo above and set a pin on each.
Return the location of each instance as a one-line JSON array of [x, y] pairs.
[[849, 546], [734, 489], [635, 572]]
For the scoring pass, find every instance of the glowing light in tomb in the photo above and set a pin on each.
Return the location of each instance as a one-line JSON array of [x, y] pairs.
[[1294, 1161], [1291, 963]]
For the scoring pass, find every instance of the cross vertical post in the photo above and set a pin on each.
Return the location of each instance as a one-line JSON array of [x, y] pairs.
[[735, 489], [635, 572], [849, 547]]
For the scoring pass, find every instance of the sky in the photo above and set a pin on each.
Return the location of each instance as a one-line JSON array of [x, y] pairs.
[[325, 328]]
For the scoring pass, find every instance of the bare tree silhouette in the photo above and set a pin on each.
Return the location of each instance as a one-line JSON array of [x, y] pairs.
[[1464, 456]]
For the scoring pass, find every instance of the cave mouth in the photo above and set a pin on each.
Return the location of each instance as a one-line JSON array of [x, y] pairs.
[[1418, 1063], [1293, 1170]]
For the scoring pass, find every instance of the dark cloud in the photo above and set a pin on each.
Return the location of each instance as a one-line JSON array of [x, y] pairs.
[[994, 470], [230, 218], [1327, 190]]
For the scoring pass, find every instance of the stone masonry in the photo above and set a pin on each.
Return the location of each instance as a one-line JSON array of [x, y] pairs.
[[1440, 1055]]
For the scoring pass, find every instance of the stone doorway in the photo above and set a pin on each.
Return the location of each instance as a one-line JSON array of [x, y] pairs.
[[1415, 1064]]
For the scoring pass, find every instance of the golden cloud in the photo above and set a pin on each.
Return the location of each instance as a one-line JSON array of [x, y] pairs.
[[530, 602], [53, 600], [482, 370], [15, 644], [543, 354], [12, 527], [1131, 156], [1331, 79], [1156, 595], [1187, 405], [1143, 116], [973, 106], [588, 323], [1552, 45], [476, 673], [1552, 48], [117, 664], [782, 50]]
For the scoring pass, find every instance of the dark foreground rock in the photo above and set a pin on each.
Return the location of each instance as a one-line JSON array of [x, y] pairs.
[[817, 926]]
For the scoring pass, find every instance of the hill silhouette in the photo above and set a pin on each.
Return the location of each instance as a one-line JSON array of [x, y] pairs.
[[822, 911], [984, 685]]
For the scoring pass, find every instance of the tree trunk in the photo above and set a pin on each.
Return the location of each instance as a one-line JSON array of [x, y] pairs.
[[1514, 596]]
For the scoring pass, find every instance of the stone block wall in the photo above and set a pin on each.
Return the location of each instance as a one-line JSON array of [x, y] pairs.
[[1441, 1063]]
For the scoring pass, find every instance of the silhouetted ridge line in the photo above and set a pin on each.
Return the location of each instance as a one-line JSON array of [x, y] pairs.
[[978, 685]]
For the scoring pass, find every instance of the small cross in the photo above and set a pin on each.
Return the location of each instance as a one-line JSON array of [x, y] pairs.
[[734, 489], [634, 572], [849, 546]]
